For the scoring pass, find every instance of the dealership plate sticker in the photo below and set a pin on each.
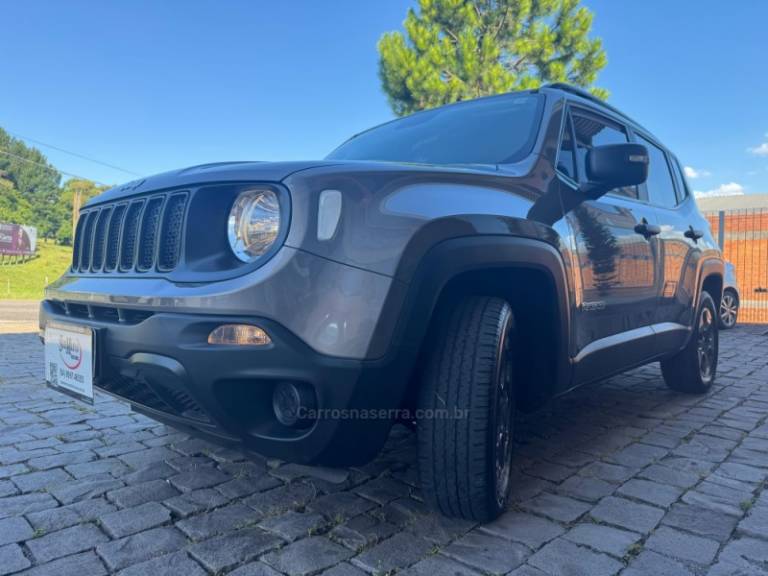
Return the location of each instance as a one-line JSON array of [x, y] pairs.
[[69, 359]]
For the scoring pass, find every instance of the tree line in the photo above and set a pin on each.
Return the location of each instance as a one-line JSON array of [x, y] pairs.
[[32, 192]]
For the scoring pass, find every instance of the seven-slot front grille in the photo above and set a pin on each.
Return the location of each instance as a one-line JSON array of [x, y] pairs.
[[132, 236]]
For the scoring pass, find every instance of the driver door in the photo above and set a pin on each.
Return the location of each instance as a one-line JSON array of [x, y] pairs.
[[616, 276]]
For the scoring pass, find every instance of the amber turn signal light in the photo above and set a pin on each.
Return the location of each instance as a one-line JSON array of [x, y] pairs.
[[239, 335]]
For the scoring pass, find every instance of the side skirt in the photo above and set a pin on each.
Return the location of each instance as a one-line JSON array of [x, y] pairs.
[[626, 350]]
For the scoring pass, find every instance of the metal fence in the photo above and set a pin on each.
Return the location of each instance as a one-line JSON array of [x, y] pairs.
[[743, 237]]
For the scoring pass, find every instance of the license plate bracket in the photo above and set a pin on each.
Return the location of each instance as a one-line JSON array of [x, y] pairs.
[[70, 359]]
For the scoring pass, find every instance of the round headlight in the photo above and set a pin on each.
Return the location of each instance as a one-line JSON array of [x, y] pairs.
[[254, 224]]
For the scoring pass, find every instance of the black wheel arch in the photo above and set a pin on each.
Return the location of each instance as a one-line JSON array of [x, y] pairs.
[[528, 272], [712, 274]]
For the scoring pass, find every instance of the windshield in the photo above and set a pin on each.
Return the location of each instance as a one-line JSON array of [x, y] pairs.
[[494, 130]]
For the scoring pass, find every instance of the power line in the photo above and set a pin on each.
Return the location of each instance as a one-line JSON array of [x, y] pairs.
[[83, 156], [51, 168]]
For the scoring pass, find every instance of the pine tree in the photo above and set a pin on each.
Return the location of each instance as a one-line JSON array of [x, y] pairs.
[[459, 49]]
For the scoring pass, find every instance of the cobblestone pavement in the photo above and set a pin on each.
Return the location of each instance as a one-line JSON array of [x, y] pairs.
[[619, 477]]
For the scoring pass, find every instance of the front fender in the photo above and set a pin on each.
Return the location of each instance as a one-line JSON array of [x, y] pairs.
[[409, 307]]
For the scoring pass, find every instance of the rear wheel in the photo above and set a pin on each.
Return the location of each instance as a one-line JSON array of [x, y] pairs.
[[729, 309], [694, 368], [465, 429]]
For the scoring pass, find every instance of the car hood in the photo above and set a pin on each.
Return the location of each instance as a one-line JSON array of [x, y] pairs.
[[270, 172], [208, 173]]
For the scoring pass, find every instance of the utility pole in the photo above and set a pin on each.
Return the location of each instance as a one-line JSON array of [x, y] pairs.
[[76, 199]]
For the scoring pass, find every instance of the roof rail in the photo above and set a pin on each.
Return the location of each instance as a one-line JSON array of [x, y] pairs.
[[587, 96]]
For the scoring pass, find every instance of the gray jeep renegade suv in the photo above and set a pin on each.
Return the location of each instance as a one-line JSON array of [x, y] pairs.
[[448, 268]]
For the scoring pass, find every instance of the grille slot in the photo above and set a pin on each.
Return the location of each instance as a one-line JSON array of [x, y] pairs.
[[87, 241], [99, 239], [148, 234], [170, 246], [77, 243], [140, 235], [113, 238], [130, 233]]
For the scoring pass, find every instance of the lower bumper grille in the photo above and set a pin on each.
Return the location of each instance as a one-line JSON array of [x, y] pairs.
[[160, 398], [102, 313]]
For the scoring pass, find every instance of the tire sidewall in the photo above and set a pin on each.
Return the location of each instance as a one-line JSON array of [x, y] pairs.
[[506, 334], [707, 302]]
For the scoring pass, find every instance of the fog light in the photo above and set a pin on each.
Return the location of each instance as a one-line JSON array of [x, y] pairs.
[[294, 404], [239, 335]]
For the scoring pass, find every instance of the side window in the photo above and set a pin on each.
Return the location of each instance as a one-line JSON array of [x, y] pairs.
[[566, 158], [682, 187], [592, 130], [661, 191]]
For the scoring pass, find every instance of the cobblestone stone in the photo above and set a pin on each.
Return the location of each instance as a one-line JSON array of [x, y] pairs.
[[36, 481], [228, 551], [293, 525], [57, 518], [530, 530], [652, 564], [152, 491], [119, 554], [603, 538], [84, 564], [175, 564], [701, 521], [362, 531], [218, 521], [14, 530], [671, 479], [132, 520], [562, 557], [627, 514], [307, 556], [65, 542], [487, 553], [683, 546], [557, 507], [12, 559]]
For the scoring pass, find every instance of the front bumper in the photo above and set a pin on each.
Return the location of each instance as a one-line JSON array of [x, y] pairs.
[[162, 364]]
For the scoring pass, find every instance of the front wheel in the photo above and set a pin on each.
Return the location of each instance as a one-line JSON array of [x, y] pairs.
[[467, 407], [694, 368]]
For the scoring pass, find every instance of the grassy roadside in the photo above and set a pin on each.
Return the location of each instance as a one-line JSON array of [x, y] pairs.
[[27, 281]]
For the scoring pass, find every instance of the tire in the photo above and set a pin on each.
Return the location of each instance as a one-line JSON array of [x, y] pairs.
[[729, 309], [465, 455], [693, 369]]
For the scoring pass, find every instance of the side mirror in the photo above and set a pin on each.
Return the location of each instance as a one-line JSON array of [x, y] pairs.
[[614, 166]]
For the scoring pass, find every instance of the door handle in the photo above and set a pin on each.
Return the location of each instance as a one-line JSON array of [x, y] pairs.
[[694, 234], [647, 229]]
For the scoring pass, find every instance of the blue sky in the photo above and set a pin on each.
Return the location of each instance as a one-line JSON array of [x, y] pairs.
[[152, 86]]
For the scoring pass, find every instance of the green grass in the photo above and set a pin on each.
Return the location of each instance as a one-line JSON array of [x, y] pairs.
[[27, 281]]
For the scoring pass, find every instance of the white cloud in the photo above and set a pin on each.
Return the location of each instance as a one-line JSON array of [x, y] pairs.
[[730, 189], [761, 150], [693, 173]]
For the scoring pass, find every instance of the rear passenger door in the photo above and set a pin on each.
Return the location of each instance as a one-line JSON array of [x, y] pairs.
[[617, 280], [680, 253]]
